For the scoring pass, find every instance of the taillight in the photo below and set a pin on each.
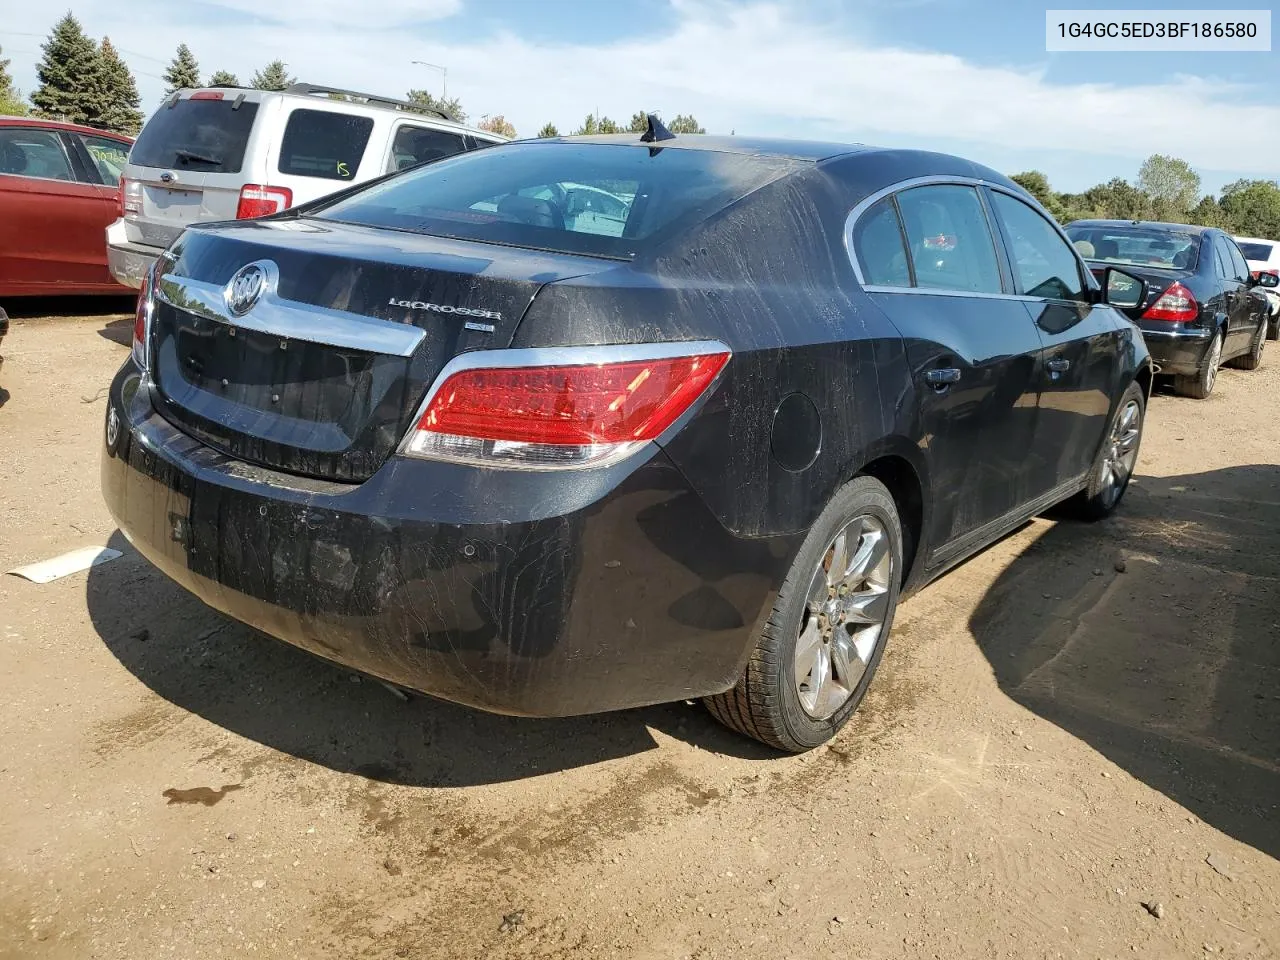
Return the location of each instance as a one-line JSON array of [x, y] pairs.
[[130, 197], [1176, 303], [258, 201], [142, 321], [559, 408]]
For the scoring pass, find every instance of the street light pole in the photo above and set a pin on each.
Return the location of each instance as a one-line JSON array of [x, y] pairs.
[[444, 73]]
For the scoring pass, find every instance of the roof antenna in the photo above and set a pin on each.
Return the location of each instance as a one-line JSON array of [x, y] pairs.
[[656, 131]]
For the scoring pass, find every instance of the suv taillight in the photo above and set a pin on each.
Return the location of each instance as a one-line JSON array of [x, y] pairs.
[[1176, 303], [130, 197], [142, 321], [585, 406], [258, 201]]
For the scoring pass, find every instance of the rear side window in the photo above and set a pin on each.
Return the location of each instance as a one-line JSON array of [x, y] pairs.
[[878, 245], [949, 239], [1256, 251], [610, 200], [414, 145], [1042, 260], [1241, 268], [33, 153], [318, 143], [208, 136]]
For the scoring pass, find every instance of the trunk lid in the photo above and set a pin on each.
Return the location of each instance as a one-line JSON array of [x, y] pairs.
[[323, 374]]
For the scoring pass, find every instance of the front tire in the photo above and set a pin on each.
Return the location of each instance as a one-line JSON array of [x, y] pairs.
[[1200, 385], [820, 648], [1113, 467]]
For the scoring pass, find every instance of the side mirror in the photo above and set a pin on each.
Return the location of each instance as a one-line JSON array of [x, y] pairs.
[[1123, 290], [1267, 280]]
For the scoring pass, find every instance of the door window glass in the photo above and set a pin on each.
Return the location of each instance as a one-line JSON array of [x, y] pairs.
[[108, 156], [1221, 257], [949, 239], [1042, 261], [877, 243], [320, 143], [414, 145], [1241, 268], [25, 152]]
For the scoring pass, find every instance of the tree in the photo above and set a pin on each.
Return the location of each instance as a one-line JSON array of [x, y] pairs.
[[593, 125], [429, 102], [639, 122], [548, 130], [117, 92], [685, 123], [1208, 213], [183, 72], [11, 104], [1252, 207], [498, 124], [224, 78], [1171, 184], [1117, 199], [1037, 184], [274, 76], [67, 73]]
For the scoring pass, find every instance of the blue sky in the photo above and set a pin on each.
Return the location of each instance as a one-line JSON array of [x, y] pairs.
[[961, 76]]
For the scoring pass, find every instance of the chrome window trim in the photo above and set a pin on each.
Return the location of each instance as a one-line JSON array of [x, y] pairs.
[[277, 316], [580, 356], [977, 183]]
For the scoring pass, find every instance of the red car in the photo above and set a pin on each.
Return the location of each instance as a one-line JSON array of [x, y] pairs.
[[58, 191]]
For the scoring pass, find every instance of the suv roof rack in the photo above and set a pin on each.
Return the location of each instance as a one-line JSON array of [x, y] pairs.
[[310, 89]]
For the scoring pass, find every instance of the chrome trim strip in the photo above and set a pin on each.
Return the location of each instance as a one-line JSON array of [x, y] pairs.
[[582, 356], [940, 292], [289, 319]]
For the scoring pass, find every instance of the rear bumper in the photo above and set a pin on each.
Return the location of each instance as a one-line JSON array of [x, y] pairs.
[[127, 261], [459, 583], [1180, 352]]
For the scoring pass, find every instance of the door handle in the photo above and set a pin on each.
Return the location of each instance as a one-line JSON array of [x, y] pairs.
[[1058, 365], [942, 376]]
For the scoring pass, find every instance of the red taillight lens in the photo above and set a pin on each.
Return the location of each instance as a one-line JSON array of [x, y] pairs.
[[258, 201], [142, 322], [579, 409], [1176, 303]]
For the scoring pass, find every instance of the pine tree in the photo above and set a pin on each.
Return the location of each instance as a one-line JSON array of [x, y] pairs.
[[67, 74], [11, 104], [224, 78], [274, 76], [548, 130], [118, 93], [429, 102], [639, 122], [685, 123], [183, 72]]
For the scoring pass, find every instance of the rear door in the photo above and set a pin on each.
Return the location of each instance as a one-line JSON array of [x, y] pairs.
[[52, 217], [1234, 276], [414, 143], [189, 163], [1251, 305], [1080, 361], [973, 350]]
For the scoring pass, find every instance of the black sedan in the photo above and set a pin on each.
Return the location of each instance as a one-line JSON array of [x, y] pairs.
[[1202, 308], [455, 430]]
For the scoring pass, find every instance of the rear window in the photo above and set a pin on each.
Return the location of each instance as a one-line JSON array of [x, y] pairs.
[[318, 143], [1137, 247], [609, 200], [1256, 251], [204, 135]]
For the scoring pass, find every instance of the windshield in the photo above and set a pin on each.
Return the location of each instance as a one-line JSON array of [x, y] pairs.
[[1255, 251], [204, 135], [609, 200], [1137, 246]]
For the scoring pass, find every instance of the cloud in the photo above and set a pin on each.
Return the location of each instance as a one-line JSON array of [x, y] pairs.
[[756, 68]]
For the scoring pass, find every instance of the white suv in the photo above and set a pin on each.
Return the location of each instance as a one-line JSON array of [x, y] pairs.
[[1264, 257], [224, 153]]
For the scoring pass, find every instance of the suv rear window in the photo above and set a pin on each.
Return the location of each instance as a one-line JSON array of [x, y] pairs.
[[319, 143], [1256, 251], [599, 199], [204, 135]]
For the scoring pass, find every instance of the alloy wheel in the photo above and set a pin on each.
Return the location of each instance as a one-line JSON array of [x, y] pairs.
[[1212, 362], [1121, 453], [844, 616]]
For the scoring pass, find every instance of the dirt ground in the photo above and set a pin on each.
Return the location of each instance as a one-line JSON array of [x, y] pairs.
[[1077, 722]]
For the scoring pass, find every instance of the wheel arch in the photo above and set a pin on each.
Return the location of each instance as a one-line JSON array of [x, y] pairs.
[[898, 464]]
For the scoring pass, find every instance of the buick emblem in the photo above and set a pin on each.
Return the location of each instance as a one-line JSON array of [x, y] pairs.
[[245, 288]]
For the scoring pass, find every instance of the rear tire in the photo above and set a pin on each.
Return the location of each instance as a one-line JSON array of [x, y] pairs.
[[1199, 385], [1253, 359], [1117, 457], [820, 648]]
